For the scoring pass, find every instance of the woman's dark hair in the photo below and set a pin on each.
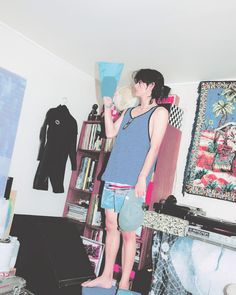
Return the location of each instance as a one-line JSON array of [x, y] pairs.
[[149, 76]]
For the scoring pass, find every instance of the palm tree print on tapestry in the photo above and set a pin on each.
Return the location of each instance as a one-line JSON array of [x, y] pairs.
[[211, 164]]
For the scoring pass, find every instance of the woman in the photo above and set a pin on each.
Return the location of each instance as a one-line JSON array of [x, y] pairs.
[[139, 132]]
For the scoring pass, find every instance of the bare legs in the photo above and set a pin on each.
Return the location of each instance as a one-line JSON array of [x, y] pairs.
[[128, 254], [111, 249]]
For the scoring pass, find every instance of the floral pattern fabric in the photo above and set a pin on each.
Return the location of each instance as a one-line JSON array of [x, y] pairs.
[[211, 166]]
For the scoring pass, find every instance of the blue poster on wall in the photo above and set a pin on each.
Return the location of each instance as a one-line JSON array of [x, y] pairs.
[[12, 88]]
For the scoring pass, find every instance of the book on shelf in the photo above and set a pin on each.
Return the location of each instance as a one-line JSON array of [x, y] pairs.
[[97, 218], [76, 217], [96, 214], [91, 137], [97, 235], [95, 208], [91, 175], [87, 166], [109, 144], [80, 218], [80, 177], [77, 208], [92, 205], [87, 132], [86, 174], [98, 139]]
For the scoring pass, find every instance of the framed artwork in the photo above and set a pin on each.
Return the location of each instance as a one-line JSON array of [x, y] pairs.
[[95, 252], [211, 165]]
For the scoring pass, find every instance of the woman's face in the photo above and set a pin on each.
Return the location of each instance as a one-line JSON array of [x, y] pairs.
[[140, 89]]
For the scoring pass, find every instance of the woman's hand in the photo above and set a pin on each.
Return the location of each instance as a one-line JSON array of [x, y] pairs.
[[108, 102], [140, 187]]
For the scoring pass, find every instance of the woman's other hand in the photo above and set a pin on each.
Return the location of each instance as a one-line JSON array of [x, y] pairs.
[[140, 187]]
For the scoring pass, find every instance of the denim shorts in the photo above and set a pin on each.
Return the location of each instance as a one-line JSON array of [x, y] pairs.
[[124, 202], [113, 198]]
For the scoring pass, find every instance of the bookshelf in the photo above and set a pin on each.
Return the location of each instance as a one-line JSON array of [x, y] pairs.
[[85, 188]]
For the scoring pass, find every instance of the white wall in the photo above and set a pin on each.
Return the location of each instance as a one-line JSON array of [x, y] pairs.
[[49, 78], [214, 207]]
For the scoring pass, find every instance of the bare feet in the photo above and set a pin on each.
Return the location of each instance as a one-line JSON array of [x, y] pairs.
[[102, 282]]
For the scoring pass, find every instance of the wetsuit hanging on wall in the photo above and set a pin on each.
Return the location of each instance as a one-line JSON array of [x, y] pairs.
[[58, 137]]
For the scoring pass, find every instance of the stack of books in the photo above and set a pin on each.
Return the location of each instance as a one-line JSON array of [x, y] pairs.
[[78, 211]]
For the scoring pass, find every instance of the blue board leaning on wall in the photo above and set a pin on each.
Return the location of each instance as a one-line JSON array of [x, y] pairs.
[[12, 89]]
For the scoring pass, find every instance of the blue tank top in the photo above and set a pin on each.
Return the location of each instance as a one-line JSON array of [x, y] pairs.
[[130, 149]]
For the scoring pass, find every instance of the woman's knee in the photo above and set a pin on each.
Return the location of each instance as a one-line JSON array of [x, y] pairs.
[[128, 236], [111, 224], [110, 220]]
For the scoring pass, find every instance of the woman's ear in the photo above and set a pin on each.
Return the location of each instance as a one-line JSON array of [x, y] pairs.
[[150, 88], [151, 85]]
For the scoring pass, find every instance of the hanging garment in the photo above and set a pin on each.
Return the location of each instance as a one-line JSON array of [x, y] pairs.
[[58, 137]]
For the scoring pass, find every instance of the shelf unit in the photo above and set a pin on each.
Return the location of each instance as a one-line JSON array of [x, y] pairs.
[[85, 185]]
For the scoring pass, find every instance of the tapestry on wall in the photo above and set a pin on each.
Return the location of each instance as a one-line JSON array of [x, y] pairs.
[[12, 89], [211, 165]]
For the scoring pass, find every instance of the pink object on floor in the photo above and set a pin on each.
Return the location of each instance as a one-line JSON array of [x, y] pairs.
[[117, 269]]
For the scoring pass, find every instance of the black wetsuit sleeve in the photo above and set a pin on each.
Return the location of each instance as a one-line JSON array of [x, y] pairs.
[[42, 137], [72, 151]]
